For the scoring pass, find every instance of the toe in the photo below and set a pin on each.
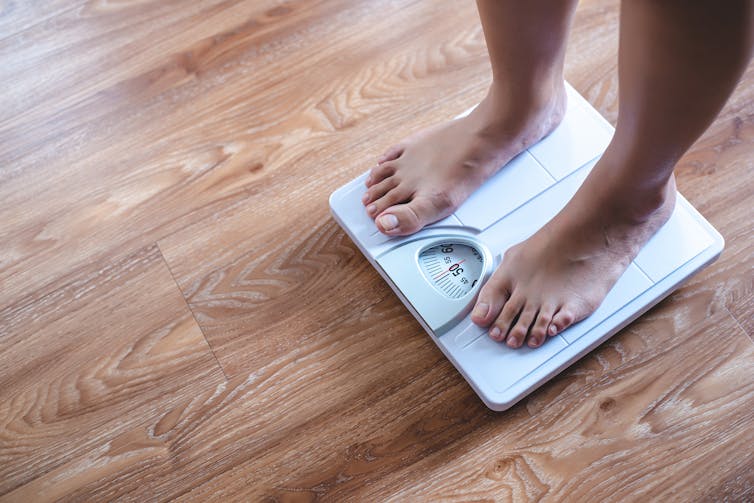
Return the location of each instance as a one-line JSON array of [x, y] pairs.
[[491, 298], [538, 331], [510, 311], [392, 153], [376, 191], [518, 333], [563, 319], [380, 173], [404, 219], [397, 195]]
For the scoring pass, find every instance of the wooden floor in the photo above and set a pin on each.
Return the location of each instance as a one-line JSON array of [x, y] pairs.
[[181, 318]]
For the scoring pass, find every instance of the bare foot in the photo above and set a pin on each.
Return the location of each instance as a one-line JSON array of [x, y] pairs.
[[427, 176], [562, 273]]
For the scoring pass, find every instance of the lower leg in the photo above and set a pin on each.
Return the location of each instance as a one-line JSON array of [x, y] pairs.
[[425, 177], [526, 42], [679, 61]]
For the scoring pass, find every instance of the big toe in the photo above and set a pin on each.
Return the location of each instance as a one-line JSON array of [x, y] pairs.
[[491, 299], [407, 218]]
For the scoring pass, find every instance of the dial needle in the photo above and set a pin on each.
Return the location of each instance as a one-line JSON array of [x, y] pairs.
[[446, 272]]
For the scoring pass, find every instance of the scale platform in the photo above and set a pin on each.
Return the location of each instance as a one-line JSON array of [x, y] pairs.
[[437, 272]]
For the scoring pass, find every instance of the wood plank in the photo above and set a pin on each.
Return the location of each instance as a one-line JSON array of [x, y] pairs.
[[107, 168], [657, 399], [226, 266], [111, 44], [213, 430], [16, 18], [716, 175], [86, 362], [743, 310]]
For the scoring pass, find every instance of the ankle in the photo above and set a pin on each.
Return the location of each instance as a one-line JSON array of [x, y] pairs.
[[526, 95], [633, 185], [637, 205], [514, 109]]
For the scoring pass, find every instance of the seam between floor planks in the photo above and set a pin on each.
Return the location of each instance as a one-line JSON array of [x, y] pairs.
[[193, 316]]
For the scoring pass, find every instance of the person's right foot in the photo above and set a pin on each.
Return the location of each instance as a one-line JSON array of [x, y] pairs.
[[562, 273], [426, 177]]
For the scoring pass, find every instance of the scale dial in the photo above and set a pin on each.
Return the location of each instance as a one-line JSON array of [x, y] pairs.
[[454, 269]]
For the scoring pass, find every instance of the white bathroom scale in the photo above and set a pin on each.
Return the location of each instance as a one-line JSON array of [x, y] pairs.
[[437, 272]]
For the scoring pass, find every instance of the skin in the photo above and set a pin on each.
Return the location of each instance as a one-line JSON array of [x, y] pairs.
[[678, 63], [427, 176]]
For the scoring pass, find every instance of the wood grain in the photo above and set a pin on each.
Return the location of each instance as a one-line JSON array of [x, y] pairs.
[[88, 361], [180, 317]]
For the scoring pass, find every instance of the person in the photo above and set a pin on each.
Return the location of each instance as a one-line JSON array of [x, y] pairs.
[[678, 63]]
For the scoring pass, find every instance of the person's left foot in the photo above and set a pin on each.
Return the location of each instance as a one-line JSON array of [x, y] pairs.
[[562, 273], [426, 177]]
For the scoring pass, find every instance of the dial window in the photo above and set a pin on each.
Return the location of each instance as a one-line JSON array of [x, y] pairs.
[[454, 269]]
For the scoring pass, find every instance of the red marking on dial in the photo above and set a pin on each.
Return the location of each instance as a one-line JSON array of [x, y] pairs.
[[439, 276]]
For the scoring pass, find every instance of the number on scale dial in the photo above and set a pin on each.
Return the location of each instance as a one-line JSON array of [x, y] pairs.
[[452, 268]]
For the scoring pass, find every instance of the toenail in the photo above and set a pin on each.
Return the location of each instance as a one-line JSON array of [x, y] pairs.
[[371, 208], [369, 179], [553, 330], [481, 310], [495, 333], [512, 342], [533, 343], [365, 198], [389, 222]]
